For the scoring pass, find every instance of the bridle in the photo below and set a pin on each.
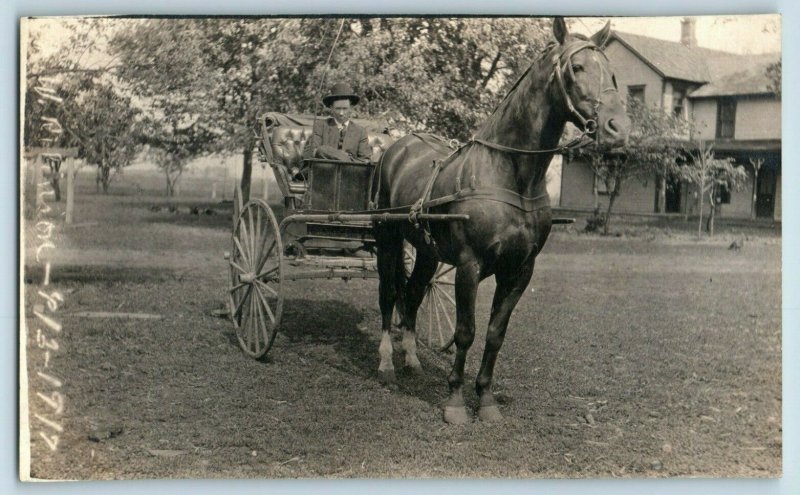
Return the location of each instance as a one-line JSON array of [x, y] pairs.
[[588, 126]]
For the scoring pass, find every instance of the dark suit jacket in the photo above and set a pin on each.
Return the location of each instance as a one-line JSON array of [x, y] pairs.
[[327, 133]]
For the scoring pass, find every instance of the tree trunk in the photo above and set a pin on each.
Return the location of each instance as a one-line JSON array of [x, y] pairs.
[[662, 194], [700, 193], [105, 178], [55, 182], [170, 186], [611, 198], [712, 212], [710, 223], [247, 173]]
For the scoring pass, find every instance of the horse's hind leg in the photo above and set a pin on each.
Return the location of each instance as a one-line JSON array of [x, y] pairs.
[[390, 254], [424, 269], [511, 284], [467, 280]]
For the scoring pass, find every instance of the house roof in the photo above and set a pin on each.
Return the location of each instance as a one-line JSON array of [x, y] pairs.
[[721, 73], [669, 59], [738, 75]]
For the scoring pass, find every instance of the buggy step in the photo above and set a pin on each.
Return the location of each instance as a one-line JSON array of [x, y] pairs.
[[563, 221]]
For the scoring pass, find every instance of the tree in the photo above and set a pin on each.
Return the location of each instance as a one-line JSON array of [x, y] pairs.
[[102, 124], [213, 71], [774, 74], [73, 90], [654, 148], [711, 176], [172, 145], [439, 75]]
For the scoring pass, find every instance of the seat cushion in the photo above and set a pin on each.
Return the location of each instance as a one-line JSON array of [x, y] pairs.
[[288, 143]]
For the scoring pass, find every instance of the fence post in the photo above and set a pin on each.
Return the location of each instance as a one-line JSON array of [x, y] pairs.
[[70, 189], [37, 179]]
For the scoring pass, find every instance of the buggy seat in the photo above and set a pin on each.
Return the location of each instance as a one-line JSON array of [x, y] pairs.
[[283, 138]]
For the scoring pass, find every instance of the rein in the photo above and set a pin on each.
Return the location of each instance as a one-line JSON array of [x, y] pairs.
[[502, 195]]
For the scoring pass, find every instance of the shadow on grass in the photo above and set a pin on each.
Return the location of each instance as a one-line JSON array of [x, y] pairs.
[[196, 213], [93, 274], [326, 331]]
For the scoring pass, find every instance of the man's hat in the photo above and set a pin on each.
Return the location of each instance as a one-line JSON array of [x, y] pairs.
[[340, 91]]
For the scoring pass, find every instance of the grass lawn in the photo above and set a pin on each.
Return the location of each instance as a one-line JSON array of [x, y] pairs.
[[634, 356]]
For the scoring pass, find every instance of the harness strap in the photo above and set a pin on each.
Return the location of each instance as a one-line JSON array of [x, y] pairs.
[[419, 206], [578, 142], [498, 194]]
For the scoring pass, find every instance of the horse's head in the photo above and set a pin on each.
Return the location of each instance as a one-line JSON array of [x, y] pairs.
[[585, 86]]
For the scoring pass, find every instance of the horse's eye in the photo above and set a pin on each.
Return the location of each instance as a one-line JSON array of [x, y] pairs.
[[577, 67], [614, 81]]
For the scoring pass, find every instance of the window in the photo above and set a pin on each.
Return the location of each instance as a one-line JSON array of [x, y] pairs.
[[723, 194], [636, 93], [726, 118], [677, 104]]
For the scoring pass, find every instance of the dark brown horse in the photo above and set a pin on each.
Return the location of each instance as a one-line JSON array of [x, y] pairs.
[[498, 179]]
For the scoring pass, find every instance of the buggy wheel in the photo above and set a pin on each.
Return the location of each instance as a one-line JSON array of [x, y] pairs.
[[256, 265], [436, 317]]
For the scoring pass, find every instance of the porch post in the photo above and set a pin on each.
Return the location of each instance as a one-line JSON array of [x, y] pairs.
[[757, 163]]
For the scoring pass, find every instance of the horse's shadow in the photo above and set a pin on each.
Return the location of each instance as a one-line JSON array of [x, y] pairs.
[[343, 337]]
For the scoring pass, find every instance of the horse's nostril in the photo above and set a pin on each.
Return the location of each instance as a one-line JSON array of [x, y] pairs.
[[611, 128]]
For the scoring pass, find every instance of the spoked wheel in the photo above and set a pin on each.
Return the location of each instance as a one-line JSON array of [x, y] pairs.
[[436, 317], [256, 264]]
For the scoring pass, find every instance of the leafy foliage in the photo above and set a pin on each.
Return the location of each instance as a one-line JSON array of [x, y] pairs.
[[72, 90], [710, 175], [217, 75], [440, 75], [774, 74], [655, 146]]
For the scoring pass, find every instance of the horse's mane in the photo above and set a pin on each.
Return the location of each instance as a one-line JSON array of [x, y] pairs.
[[549, 48]]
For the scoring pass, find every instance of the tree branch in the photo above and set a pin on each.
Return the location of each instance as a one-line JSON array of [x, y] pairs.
[[492, 69]]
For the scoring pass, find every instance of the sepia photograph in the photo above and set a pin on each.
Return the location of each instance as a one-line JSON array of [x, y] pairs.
[[404, 247]]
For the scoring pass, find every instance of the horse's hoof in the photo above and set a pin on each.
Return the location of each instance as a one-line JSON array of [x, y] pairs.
[[456, 415], [387, 377], [414, 370], [490, 414]]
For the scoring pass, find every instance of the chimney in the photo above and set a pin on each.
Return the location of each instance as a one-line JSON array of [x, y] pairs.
[[688, 37]]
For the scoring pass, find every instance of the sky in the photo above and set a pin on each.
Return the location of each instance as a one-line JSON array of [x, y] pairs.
[[749, 34], [744, 34]]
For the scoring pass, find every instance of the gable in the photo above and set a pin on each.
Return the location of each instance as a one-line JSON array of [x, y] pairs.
[[631, 70], [669, 59]]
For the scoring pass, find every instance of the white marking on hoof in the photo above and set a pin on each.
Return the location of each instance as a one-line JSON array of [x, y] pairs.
[[410, 348], [385, 351], [490, 414], [456, 415]]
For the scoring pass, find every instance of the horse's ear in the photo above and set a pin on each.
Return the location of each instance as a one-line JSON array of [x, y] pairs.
[[600, 38], [560, 30]]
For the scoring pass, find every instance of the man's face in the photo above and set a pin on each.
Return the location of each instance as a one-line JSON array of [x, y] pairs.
[[341, 110]]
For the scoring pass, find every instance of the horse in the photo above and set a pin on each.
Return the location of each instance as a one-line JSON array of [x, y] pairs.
[[498, 180]]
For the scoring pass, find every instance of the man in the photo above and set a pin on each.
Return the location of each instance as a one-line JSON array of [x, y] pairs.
[[337, 137]]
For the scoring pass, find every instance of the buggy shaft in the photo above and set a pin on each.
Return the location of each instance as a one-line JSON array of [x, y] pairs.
[[372, 217]]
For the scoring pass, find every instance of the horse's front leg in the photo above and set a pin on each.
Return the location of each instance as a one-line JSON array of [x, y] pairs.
[[467, 279], [511, 284]]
